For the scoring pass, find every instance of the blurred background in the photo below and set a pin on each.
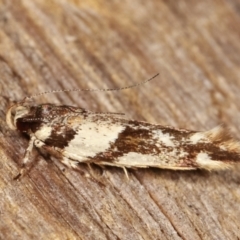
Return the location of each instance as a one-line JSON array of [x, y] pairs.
[[64, 44]]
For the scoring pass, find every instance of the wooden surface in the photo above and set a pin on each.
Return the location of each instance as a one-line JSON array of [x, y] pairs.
[[194, 45]]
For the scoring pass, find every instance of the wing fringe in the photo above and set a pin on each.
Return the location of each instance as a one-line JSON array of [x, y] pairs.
[[221, 136]]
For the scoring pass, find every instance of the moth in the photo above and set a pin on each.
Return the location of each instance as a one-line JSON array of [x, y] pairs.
[[75, 135]]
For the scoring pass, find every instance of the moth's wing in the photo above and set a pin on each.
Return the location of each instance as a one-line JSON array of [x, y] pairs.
[[141, 145], [146, 145], [80, 137], [114, 141], [93, 136], [118, 142]]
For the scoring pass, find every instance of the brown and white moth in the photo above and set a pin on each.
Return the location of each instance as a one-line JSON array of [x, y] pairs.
[[76, 135]]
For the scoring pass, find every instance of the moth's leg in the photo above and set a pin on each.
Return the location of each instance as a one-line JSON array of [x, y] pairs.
[[26, 159], [74, 165], [90, 167], [69, 163], [74, 160], [58, 155], [102, 166], [92, 172], [126, 172]]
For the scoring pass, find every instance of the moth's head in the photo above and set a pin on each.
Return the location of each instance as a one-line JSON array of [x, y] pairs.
[[14, 112]]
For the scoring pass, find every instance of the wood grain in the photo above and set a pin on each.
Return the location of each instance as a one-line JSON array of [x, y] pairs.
[[96, 44]]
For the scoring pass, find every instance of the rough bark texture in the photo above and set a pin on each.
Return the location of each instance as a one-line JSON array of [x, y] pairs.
[[195, 47]]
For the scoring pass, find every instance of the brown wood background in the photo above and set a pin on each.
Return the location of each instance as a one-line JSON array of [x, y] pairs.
[[51, 44]]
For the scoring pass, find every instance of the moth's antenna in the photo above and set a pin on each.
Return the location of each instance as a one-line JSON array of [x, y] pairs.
[[92, 89]]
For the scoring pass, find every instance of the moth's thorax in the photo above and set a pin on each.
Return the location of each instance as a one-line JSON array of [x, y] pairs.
[[29, 118]]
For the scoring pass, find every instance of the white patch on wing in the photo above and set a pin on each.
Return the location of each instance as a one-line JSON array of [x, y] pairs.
[[177, 153], [92, 138], [132, 159], [203, 158], [205, 161], [196, 137], [183, 154], [164, 138], [43, 133]]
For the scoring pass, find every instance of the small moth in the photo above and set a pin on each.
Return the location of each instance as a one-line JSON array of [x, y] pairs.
[[75, 135]]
